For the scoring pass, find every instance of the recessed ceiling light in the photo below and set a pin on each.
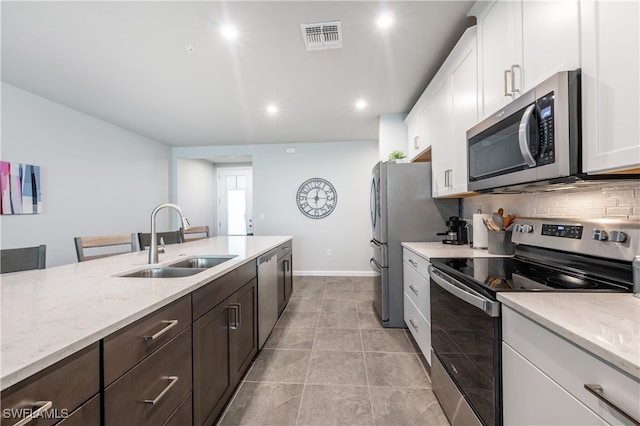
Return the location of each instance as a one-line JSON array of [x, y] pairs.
[[361, 104], [229, 31], [272, 109], [385, 19]]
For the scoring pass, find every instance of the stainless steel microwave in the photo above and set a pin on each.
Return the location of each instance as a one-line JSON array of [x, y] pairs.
[[535, 138]]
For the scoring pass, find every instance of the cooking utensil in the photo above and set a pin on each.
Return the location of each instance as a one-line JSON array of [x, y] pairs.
[[501, 211], [490, 225], [497, 220], [508, 221]]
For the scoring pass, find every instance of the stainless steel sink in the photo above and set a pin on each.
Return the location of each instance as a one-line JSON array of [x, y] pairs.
[[164, 272], [202, 261]]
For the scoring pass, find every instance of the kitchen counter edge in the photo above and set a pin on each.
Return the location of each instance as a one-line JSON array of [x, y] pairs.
[[605, 324]]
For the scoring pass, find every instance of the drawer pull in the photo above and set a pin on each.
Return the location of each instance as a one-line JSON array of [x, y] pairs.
[[599, 393], [172, 381], [413, 288], [413, 324], [44, 406], [237, 312], [170, 325], [413, 263]]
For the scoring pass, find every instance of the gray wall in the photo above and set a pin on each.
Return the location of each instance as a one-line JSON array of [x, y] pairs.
[[277, 176], [196, 194], [96, 178]]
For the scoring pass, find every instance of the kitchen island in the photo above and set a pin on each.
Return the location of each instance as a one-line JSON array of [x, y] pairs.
[[50, 314]]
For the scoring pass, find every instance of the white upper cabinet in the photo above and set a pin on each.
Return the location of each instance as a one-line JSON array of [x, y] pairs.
[[521, 43], [443, 114], [440, 111], [498, 44], [464, 91], [550, 39], [610, 85], [455, 110]]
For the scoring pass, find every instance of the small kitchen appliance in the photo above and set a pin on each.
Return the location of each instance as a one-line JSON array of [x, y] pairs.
[[565, 255], [456, 233]]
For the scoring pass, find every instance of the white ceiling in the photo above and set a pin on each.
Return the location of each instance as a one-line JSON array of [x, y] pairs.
[[126, 63]]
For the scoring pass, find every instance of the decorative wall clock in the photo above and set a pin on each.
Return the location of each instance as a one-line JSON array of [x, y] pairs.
[[316, 198]]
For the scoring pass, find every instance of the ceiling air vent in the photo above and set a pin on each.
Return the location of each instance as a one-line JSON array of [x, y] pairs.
[[322, 35]]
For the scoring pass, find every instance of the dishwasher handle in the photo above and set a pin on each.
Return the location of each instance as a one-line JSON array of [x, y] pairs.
[[461, 291]]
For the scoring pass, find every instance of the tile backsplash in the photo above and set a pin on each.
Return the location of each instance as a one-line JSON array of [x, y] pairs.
[[603, 200]]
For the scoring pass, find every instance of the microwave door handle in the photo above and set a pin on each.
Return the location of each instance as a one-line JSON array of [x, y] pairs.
[[523, 136]]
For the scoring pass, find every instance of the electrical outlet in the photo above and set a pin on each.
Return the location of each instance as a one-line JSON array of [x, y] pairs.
[[329, 252]]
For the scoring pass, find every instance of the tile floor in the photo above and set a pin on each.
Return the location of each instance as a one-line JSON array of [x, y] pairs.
[[329, 361]]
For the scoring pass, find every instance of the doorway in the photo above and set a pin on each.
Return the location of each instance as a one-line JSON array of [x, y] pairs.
[[235, 201]]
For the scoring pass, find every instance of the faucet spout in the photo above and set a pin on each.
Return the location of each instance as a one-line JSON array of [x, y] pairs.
[[153, 246]]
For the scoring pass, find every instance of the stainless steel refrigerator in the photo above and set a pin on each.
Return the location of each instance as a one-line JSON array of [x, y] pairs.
[[401, 209]]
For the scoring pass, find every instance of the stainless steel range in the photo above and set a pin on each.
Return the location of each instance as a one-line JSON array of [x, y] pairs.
[[550, 255]]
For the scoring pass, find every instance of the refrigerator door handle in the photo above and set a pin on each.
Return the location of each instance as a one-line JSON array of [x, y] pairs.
[[373, 203], [374, 265]]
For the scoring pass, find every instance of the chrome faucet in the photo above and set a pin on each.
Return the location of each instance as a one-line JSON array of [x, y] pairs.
[[153, 246]]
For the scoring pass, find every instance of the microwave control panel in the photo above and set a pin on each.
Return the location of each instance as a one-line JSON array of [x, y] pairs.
[[546, 152]]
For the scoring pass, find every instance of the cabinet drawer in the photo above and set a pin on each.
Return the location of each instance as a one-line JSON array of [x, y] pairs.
[[67, 384], [418, 326], [182, 416], [419, 263], [572, 367], [524, 383], [207, 297], [87, 415], [153, 389], [417, 288], [125, 348], [284, 249]]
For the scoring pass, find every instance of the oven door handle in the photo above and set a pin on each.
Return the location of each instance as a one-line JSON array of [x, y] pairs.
[[523, 136], [457, 289]]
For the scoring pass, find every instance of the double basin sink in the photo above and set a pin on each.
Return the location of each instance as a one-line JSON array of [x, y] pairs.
[[183, 268]]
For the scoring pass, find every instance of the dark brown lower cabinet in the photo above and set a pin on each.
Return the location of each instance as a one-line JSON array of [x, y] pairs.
[[88, 414], [151, 391], [224, 344], [56, 392], [183, 415], [285, 276]]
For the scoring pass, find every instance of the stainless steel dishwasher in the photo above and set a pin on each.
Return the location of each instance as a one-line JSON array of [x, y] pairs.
[[267, 295]]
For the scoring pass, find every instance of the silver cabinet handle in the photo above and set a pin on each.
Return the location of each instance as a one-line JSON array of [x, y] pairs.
[[286, 265], [235, 307], [413, 263], [507, 92], [413, 324], [414, 289], [170, 325], [597, 390], [44, 406], [415, 142], [172, 381], [513, 78], [523, 136]]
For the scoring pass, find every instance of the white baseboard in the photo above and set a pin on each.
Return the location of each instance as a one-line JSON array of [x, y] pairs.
[[334, 273]]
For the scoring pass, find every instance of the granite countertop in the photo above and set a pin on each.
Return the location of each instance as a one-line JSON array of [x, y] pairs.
[[51, 313], [437, 249], [605, 324]]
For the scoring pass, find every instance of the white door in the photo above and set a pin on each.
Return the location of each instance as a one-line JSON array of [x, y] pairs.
[[235, 201]]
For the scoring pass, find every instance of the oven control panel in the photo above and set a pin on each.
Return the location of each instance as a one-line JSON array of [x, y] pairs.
[[564, 231], [607, 238]]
